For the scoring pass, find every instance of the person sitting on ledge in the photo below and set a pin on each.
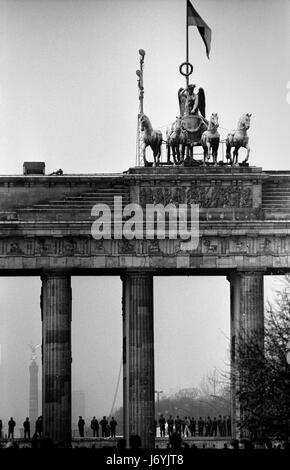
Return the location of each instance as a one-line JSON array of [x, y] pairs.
[[56, 173]]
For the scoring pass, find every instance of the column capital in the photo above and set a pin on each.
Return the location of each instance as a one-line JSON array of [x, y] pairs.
[[254, 272], [240, 274], [137, 273], [55, 274]]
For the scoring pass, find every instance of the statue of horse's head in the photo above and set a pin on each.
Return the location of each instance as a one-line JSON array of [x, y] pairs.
[[245, 121], [214, 121], [178, 124], [144, 121]]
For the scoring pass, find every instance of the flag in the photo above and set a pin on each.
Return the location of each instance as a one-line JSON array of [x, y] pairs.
[[194, 19]]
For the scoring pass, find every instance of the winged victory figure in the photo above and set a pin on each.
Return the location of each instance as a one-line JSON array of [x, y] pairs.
[[191, 102]]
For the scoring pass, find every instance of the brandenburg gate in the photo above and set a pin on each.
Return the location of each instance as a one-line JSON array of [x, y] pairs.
[[45, 230]]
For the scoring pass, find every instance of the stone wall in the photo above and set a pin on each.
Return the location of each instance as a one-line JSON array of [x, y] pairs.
[[45, 222]]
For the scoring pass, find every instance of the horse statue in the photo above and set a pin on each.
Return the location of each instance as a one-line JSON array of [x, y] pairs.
[[238, 139], [150, 137], [176, 141], [210, 139]]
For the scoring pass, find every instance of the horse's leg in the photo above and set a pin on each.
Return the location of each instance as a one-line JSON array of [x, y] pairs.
[[168, 153], [229, 156], [143, 153], [229, 149], [205, 150], [159, 151], [208, 151], [248, 153], [174, 154], [177, 153], [182, 151], [235, 155], [156, 155], [156, 152], [214, 156], [214, 153]]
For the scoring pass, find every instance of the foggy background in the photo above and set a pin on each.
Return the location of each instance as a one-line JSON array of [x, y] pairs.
[[68, 97]]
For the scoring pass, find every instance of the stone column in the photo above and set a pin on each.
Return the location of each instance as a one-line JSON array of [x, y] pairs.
[[56, 356], [247, 319], [138, 357]]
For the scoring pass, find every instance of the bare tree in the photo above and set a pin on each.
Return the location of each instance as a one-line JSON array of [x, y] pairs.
[[264, 374]]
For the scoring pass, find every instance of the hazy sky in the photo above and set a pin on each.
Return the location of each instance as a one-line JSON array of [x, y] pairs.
[[68, 96]]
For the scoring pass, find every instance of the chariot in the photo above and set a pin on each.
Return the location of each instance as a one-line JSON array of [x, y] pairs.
[[194, 125]]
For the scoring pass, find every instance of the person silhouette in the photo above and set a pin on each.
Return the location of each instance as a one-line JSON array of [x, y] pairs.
[[81, 426], [11, 426], [26, 426]]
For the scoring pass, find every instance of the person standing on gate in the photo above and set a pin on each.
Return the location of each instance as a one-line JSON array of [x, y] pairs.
[[11, 426], [113, 425], [210, 426], [162, 426], [170, 424], [95, 427], [178, 425], [81, 426], [182, 426], [224, 426], [186, 431], [207, 424], [220, 425], [26, 426], [104, 424], [229, 426], [214, 427], [192, 427], [38, 426], [200, 426]]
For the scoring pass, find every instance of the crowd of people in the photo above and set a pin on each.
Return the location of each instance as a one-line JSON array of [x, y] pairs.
[[186, 427], [102, 428], [191, 427], [26, 428], [176, 429]]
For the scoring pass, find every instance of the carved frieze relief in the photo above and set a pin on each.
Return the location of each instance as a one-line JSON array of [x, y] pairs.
[[208, 245], [205, 196]]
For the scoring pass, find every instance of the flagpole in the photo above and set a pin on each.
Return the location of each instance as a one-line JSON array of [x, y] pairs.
[[187, 54]]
